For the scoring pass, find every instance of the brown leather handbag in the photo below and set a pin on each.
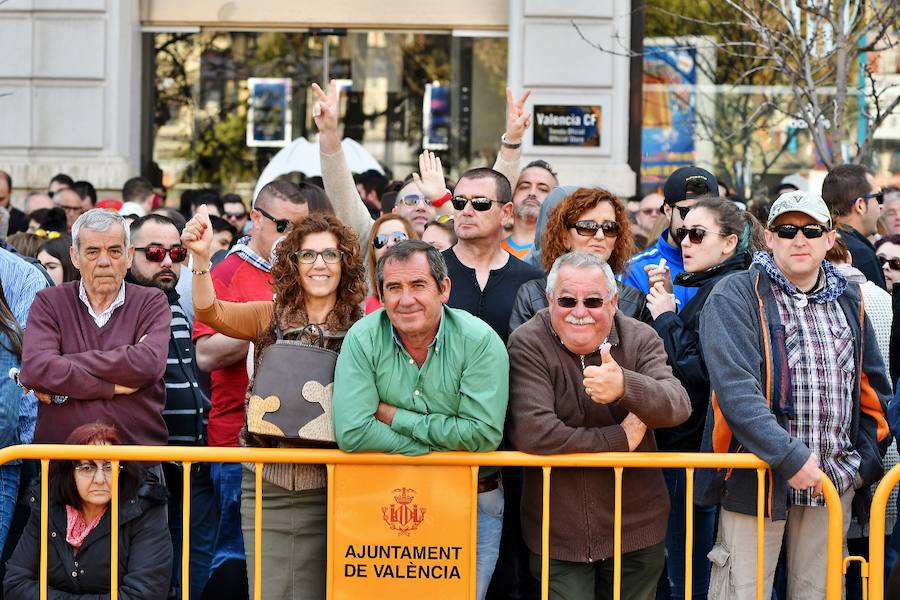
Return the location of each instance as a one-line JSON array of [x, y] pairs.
[[290, 398]]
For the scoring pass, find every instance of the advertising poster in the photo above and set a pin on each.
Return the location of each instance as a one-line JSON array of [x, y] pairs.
[[436, 117], [269, 117], [667, 139], [567, 126], [402, 532]]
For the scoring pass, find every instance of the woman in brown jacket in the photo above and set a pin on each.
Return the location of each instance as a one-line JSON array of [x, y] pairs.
[[318, 277]]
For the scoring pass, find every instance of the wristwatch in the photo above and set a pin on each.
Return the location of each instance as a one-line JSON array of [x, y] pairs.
[[507, 144]]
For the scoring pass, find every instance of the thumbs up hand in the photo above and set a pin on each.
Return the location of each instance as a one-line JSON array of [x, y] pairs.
[[605, 384]]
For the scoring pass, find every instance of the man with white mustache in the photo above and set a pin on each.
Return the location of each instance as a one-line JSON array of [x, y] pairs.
[[586, 378]]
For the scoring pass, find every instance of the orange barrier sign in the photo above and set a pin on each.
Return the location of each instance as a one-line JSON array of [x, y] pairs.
[[401, 531]]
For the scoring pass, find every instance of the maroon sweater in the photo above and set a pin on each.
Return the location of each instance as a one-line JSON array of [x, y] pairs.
[[550, 413], [64, 352]]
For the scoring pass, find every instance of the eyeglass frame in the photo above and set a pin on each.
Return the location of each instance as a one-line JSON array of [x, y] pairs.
[[419, 198], [608, 227], [780, 230], [319, 253], [281, 225], [166, 252], [388, 237], [89, 469], [595, 302], [455, 200], [892, 263], [691, 232]]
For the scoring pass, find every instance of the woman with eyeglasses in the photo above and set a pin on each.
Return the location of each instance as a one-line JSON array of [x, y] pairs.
[[717, 238], [388, 230], [78, 530], [588, 220], [318, 278]]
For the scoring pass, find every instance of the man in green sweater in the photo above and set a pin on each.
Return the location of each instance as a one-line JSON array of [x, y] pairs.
[[419, 376], [586, 378]]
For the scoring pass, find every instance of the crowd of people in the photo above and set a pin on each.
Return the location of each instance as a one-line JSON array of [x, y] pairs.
[[505, 310]]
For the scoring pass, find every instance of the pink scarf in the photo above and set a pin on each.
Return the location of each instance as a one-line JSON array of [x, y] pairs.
[[77, 529]]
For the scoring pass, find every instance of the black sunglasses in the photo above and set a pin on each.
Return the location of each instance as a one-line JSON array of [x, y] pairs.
[[570, 302], [589, 228], [879, 197], [239, 215], [695, 234], [381, 240], [789, 232], [683, 211], [281, 225], [479, 203], [158, 253], [892, 263]]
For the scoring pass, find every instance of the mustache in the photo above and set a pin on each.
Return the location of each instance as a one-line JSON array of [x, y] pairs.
[[165, 272], [572, 320]]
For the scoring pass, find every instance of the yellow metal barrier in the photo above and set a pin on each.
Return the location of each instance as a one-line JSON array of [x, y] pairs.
[[617, 461], [877, 533]]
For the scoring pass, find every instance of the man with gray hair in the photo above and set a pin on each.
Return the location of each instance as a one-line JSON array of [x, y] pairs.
[[586, 378], [96, 349], [420, 376]]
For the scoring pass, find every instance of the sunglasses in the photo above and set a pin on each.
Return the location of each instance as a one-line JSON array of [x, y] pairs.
[[413, 199], [479, 203], [695, 234], [381, 240], [281, 225], [589, 228], [879, 197], [569, 302], [649, 211], [329, 255], [789, 232], [683, 211], [892, 263], [158, 253], [239, 215]]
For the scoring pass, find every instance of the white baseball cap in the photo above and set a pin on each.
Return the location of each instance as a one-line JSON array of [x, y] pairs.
[[803, 202]]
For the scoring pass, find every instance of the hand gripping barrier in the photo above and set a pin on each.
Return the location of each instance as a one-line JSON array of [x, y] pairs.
[[617, 461]]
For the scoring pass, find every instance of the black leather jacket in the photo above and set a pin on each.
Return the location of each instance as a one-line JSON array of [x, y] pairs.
[[532, 297]]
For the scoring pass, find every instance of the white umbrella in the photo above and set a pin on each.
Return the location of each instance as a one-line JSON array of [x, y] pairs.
[[303, 156]]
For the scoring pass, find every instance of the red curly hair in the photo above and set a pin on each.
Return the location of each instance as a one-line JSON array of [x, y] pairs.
[[555, 239], [290, 303]]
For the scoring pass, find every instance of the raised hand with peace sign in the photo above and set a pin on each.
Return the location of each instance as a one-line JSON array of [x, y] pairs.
[[325, 114]]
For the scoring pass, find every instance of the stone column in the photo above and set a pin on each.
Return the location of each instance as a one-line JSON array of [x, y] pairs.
[[70, 91], [548, 55]]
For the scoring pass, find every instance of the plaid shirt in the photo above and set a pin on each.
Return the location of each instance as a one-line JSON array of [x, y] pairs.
[[820, 359]]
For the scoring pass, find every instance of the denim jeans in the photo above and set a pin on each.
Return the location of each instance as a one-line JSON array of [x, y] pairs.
[[704, 532], [204, 510], [229, 544], [9, 493], [490, 526]]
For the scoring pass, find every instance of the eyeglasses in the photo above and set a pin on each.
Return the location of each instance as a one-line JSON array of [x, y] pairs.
[[381, 240], [789, 232], [50, 235], [240, 215], [281, 225], [329, 255], [649, 211], [879, 197], [695, 234], [158, 253], [89, 469], [892, 263], [479, 203], [414, 199], [589, 228], [570, 302], [683, 211]]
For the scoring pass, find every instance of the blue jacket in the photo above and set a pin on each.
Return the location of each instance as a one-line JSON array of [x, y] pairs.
[[745, 356], [635, 275]]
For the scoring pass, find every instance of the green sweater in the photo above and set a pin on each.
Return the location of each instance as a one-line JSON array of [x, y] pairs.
[[456, 401]]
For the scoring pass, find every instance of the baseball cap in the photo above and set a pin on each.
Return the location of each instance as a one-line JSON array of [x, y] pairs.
[[675, 188], [803, 202]]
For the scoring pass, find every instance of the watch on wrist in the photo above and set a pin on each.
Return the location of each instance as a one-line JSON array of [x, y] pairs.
[[504, 141]]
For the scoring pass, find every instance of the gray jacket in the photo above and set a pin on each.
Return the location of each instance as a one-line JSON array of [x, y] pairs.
[[749, 387]]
